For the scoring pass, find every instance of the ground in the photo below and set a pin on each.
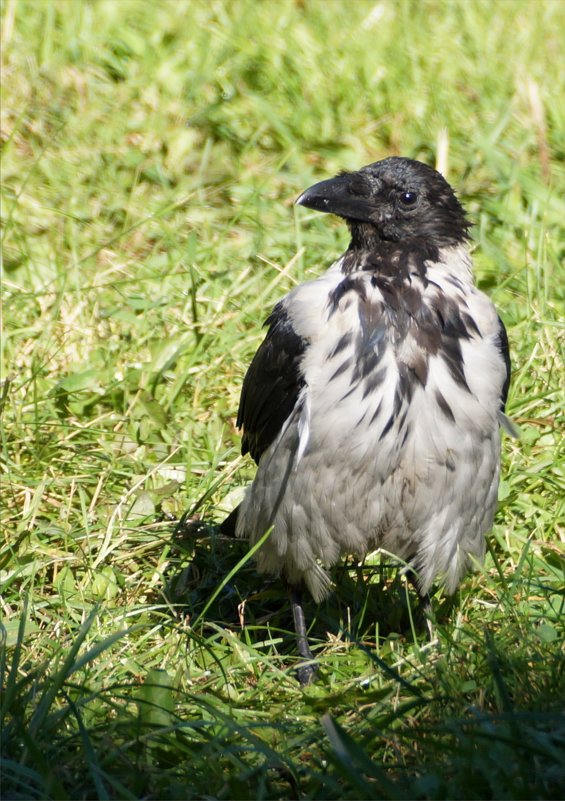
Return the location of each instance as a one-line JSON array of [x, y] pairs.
[[151, 156]]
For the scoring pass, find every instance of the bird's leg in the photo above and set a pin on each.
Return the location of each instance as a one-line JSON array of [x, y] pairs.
[[425, 602], [307, 670]]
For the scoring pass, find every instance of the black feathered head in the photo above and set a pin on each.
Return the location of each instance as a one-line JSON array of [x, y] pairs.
[[396, 200]]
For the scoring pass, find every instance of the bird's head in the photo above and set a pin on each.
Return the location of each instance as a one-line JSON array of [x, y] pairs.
[[396, 200]]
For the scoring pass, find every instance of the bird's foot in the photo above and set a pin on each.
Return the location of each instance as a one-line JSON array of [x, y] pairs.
[[306, 673]]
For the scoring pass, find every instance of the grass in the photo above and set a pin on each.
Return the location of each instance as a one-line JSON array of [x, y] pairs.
[[151, 154]]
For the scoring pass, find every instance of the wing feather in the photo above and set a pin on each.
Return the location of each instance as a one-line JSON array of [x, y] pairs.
[[272, 384], [504, 349]]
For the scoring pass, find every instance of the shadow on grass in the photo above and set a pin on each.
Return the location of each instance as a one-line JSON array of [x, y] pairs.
[[365, 597]]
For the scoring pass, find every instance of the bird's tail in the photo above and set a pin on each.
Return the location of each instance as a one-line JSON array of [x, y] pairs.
[[229, 525]]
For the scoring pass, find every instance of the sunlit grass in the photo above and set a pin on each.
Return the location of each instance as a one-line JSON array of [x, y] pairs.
[[151, 155]]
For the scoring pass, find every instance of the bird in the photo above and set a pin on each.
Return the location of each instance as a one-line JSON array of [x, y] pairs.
[[374, 404]]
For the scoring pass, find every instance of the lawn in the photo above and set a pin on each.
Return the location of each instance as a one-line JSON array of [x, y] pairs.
[[151, 153]]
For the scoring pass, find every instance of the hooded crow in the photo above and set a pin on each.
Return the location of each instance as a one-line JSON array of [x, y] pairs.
[[372, 408]]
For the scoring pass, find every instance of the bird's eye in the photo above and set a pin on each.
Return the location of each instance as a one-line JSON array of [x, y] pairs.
[[408, 198]]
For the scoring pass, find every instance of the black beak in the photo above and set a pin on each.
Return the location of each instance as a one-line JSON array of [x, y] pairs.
[[347, 196]]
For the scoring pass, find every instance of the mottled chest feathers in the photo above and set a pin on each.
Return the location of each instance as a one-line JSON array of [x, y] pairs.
[[407, 313]]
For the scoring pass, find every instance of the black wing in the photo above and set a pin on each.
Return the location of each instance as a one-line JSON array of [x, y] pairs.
[[272, 384], [505, 353]]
